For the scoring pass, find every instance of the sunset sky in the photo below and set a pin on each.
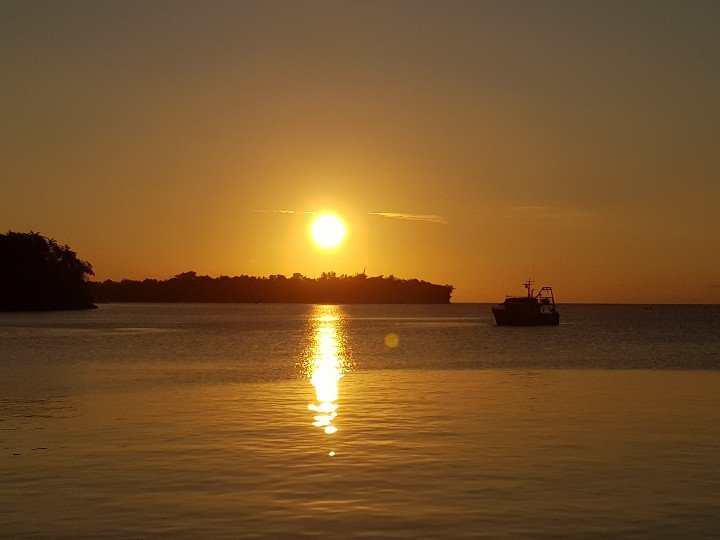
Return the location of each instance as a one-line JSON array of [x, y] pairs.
[[468, 143]]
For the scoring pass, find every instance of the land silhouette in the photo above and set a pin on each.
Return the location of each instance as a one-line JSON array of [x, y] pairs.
[[329, 288], [38, 274]]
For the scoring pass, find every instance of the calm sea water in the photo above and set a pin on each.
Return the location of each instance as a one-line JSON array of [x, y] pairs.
[[359, 421]]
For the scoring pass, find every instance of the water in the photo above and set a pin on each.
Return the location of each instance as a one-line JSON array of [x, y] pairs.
[[359, 421]]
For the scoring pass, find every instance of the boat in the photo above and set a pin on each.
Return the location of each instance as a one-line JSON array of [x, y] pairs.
[[531, 310]]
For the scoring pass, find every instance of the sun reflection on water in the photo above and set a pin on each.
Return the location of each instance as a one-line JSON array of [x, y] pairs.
[[327, 361]]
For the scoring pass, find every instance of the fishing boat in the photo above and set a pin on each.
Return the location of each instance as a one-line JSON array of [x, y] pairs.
[[531, 310]]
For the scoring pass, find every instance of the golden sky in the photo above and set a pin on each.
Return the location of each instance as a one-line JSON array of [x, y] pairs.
[[468, 143]]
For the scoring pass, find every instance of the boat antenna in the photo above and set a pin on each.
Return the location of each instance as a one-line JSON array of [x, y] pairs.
[[533, 278], [528, 285]]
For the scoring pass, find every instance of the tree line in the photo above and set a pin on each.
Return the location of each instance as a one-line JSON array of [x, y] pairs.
[[38, 274], [329, 288]]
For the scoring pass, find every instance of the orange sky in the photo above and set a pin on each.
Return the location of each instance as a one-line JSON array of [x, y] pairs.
[[578, 141]]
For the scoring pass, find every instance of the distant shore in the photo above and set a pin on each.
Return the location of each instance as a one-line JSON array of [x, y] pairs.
[[326, 289]]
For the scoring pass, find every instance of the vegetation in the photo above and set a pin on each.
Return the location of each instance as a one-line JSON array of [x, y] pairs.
[[37, 274], [327, 289]]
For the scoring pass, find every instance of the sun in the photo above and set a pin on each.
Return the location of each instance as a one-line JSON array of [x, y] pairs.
[[327, 231]]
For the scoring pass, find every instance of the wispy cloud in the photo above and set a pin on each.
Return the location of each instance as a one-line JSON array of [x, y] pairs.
[[429, 218], [551, 212], [282, 212]]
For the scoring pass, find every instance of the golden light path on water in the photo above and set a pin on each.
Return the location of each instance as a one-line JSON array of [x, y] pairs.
[[328, 360]]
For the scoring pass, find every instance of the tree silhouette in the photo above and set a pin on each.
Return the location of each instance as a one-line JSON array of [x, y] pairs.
[[328, 288], [37, 274]]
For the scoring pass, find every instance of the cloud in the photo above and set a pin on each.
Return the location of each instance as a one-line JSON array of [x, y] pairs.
[[282, 212], [427, 218], [412, 217], [551, 212]]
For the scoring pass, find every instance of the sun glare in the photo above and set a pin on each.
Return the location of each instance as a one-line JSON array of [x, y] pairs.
[[327, 231]]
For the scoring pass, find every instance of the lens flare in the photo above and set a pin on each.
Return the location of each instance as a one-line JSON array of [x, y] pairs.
[[392, 340]]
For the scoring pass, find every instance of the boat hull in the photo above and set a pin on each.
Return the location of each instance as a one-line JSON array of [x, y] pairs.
[[506, 317]]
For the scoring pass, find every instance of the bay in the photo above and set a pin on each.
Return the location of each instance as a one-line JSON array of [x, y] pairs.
[[394, 421]]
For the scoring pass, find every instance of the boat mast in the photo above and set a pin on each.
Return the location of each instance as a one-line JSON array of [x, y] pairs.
[[528, 285]]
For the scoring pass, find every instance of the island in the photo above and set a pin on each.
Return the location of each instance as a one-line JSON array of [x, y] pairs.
[[329, 288], [38, 274]]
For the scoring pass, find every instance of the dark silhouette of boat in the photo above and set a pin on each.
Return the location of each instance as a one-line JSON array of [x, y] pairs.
[[531, 310]]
